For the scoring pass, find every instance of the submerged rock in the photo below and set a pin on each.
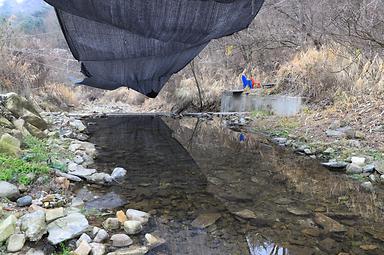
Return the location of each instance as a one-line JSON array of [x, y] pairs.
[[154, 241], [246, 214], [33, 225], [7, 228], [329, 225], [205, 220], [100, 178], [133, 250], [297, 211], [67, 228]]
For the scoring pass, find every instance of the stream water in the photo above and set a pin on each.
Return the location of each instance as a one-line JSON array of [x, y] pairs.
[[180, 169]]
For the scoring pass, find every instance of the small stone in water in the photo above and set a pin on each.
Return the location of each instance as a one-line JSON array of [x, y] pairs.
[[297, 211], [153, 241], [121, 216], [143, 217], [111, 224], [118, 173], [367, 186], [205, 220], [132, 227], [246, 214], [24, 201], [121, 240]]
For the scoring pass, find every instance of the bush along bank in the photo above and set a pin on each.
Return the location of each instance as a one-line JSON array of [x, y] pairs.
[[338, 146], [42, 157]]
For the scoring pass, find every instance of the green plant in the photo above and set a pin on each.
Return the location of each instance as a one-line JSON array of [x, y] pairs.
[[64, 250], [37, 149], [18, 169]]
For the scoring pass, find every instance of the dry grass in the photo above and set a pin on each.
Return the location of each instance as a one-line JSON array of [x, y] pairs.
[[123, 95], [331, 72]]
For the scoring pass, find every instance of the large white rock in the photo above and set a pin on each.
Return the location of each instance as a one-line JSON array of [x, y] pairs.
[[67, 228], [33, 225], [7, 228]]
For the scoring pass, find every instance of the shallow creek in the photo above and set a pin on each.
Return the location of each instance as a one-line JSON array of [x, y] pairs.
[[179, 169]]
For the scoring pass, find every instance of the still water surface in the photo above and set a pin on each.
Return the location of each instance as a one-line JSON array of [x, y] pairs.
[[179, 169]]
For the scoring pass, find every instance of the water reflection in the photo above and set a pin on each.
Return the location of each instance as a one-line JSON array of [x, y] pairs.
[[189, 166]]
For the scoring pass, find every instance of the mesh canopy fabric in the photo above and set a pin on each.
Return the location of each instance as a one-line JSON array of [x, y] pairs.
[[140, 44]]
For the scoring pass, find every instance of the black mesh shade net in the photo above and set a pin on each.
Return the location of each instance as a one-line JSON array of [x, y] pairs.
[[140, 44]]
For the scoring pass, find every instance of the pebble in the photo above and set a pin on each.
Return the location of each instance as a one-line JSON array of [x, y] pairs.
[[354, 169], [154, 241], [35, 252], [367, 186], [83, 249], [118, 173], [246, 214], [132, 227], [369, 168], [121, 240], [83, 237], [133, 214], [111, 224], [121, 217], [97, 248], [24, 201], [359, 161], [101, 236]]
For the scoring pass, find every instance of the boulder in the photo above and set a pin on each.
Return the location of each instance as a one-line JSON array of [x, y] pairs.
[[80, 171], [33, 225], [121, 240], [16, 242], [8, 190], [132, 227], [133, 214], [67, 228], [7, 227], [20, 125]]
